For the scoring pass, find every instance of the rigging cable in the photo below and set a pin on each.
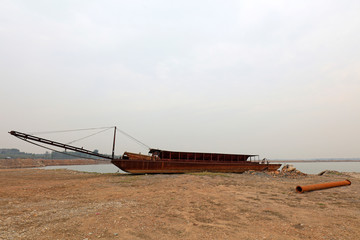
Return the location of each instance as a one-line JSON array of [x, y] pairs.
[[83, 129], [72, 130], [89, 135], [134, 139]]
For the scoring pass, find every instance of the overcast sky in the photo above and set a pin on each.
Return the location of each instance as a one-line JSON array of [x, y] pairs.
[[275, 78]]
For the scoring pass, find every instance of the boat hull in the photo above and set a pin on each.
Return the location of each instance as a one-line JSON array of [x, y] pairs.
[[160, 166]]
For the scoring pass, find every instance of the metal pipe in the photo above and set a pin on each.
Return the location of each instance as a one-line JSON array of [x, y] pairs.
[[307, 188]]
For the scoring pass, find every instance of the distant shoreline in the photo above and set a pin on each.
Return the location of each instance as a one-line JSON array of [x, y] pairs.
[[32, 163]]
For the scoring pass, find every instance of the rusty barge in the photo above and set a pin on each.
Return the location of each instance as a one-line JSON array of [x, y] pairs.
[[163, 161]]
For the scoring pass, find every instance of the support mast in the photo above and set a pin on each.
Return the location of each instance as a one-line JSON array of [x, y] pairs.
[[113, 150]]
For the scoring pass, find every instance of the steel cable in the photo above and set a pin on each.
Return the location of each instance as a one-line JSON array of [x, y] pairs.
[[71, 130], [132, 138], [89, 136]]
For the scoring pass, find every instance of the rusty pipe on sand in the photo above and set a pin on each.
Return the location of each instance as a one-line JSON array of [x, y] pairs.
[[307, 188]]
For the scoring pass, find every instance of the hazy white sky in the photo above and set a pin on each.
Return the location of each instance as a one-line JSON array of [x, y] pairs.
[[275, 78]]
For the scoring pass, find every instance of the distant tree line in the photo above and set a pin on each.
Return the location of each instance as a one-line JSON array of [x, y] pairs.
[[13, 153]]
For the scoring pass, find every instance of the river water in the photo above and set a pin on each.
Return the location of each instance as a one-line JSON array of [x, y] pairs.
[[317, 167], [98, 168], [310, 168]]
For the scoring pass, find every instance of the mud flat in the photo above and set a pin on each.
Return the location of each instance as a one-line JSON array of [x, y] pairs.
[[63, 204]]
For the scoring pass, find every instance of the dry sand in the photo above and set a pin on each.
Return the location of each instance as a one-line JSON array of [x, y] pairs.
[[63, 204]]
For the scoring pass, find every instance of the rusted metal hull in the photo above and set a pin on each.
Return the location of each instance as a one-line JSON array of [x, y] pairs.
[[308, 188], [163, 166]]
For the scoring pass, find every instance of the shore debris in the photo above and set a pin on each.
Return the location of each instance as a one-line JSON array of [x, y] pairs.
[[286, 171], [308, 188], [290, 170], [327, 172]]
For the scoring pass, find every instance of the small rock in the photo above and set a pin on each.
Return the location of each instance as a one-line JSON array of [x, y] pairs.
[[298, 226]]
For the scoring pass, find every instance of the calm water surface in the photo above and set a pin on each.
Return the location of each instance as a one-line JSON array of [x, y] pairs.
[[98, 168], [317, 167], [310, 168]]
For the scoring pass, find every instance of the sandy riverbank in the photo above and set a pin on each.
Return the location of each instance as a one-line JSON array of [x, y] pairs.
[[63, 204]]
